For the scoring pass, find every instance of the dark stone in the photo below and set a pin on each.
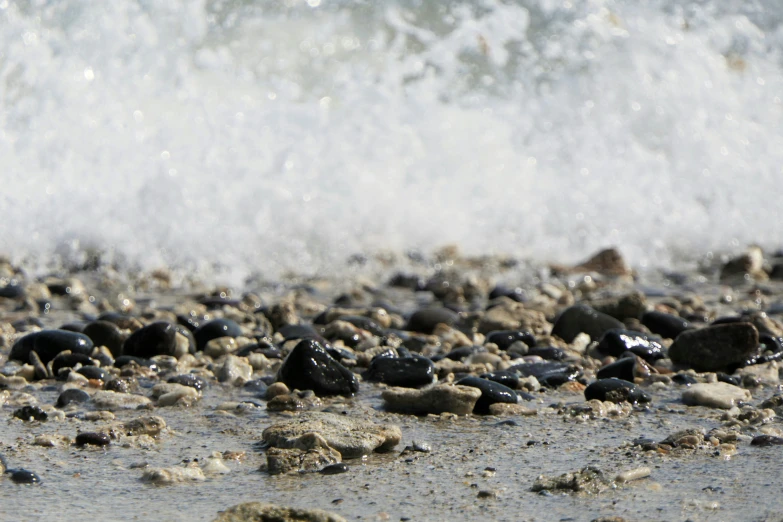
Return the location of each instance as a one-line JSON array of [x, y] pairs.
[[22, 476], [104, 333], [48, 343], [334, 469], [617, 391], [620, 369], [340, 354], [92, 439], [77, 327], [550, 353], [300, 331], [505, 338], [270, 352], [462, 353], [191, 323], [685, 379], [617, 342], [93, 372], [666, 325], [70, 360], [188, 379], [583, 319], [215, 329], [715, 348], [365, 323], [550, 374], [407, 372], [509, 379], [119, 385], [12, 291], [309, 367], [256, 386], [72, 395], [734, 380], [425, 320], [491, 393], [28, 413], [158, 338], [770, 343], [517, 294], [409, 281], [766, 440], [123, 360]]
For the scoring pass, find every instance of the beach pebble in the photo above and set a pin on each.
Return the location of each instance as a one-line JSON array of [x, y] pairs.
[[94, 373], [234, 370], [113, 401], [31, 413], [551, 374], [151, 425], [505, 338], [507, 314], [617, 342], [766, 440], [633, 474], [188, 379], [215, 465], [158, 338], [166, 476], [506, 378], [172, 394], [616, 390], [48, 343], [491, 393], [405, 372], [310, 367], [52, 440], [215, 329], [624, 369], [23, 476], [92, 439], [258, 511], [588, 480], [583, 319], [715, 395], [715, 348], [425, 320], [353, 438], [666, 325], [297, 460], [104, 333], [441, 398]]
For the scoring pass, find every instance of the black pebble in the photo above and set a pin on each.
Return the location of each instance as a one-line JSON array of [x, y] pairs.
[[69, 361], [365, 323], [684, 378], [72, 395], [666, 325], [583, 319], [505, 338], [425, 321], [310, 367], [766, 440], [551, 374], [491, 393], [93, 439], [22, 476], [93, 372], [188, 379], [508, 379], [215, 329], [407, 372], [27, 413], [616, 390], [104, 333], [334, 469], [619, 341], [154, 339], [621, 369], [122, 360], [549, 353], [48, 343]]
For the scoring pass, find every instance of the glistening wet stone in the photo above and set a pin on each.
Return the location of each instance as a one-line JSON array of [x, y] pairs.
[[551, 374], [104, 333], [92, 439], [23, 476], [715, 348], [666, 325], [214, 329], [616, 390], [154, 339], [583, 319], [31, 413], [48, 343], [191, 380], [509, 379], [617, 342], [505, 338], [491, 393], [72, 395], [407, 372], [310, 367], [621, 369], [70, 361]]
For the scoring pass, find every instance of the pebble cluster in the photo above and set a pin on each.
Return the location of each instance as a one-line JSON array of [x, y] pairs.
[[440, 340]]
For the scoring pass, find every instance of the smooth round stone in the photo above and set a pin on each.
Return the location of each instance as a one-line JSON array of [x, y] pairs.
[[12, 291], [462, 353], [334, 469], [72, 395], [509, 379], [618, 342], [158, 338], [214, 329], [30, 413], [48, 343], [188, 379], [92, 439], [256, 386], [491, 393], [549, 353], [189, 322], [104, 333], [684, 379], [424, 321], [517, 294], [715, 348], [505, 338], [666, 325], [23, 476], [583, 319], [550, 374], [93, 372], [70, 361], [406, 372], [617, 391], [310, 367], [620, 369], [766, 440]]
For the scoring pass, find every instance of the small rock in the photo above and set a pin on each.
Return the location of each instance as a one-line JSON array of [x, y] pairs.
[[104, 333], [188, 379], [715, 395], [715, 348], [405, 372], [616, 390], [588, 480], [258, 511], [31, 413], [309, 367], [509, 379], [617, 342], [505, 338], [214, 329], [606, 262], [154, 339], [166, 476], [766, 440], [48, 343], [583, 319], [666, 325], [491, 393], [425, 321], [52, 440], [441, 398], [634, 474], [551, 374], [334, 469], [234, 370], [113, 401], [214, 465], [92, 439], [151, 426], [22, 476]]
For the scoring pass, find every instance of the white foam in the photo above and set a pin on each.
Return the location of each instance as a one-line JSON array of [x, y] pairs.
[[261, 137]]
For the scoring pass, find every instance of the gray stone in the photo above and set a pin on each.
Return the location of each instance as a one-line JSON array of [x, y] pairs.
[[715, 395], [351, 437], [441, 398], [112, 401], [312, 453], [262, 512], [234, 370], [715, 348]]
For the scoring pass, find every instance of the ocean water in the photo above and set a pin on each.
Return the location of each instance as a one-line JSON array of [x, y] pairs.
[[244, 136]]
